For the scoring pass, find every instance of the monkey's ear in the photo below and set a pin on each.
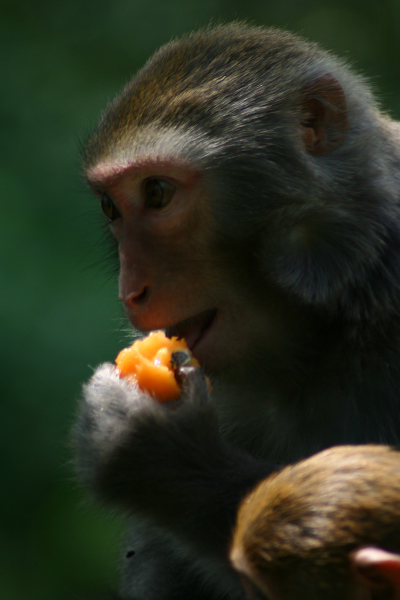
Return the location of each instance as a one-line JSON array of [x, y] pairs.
[[325, 122], [378, 572]]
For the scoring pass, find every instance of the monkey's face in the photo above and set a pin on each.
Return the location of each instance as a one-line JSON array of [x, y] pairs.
[[196, 163], [173, 273]]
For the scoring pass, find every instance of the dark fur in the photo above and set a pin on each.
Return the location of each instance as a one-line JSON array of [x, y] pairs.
[[313, 239]]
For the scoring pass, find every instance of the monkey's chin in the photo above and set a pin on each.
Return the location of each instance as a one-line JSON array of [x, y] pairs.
[[194, 330]]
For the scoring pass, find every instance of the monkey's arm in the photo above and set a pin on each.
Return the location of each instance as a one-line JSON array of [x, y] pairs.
[[166, 461]]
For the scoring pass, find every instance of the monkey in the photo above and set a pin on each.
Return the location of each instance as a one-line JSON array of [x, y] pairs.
[[251, 187], [325, 528]]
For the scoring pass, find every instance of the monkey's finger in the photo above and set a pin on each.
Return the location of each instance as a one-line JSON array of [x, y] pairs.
[[194, 385]]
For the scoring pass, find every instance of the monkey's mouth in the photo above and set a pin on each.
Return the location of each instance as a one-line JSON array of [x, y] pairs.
[[194, 328]]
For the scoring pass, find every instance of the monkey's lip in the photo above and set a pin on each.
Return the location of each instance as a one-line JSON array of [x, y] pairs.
[[194, 328]]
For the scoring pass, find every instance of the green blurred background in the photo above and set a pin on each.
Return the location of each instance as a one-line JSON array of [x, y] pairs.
[[60, 62]]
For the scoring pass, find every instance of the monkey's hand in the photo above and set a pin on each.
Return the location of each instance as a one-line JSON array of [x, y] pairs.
[[130, 447], [165, 460]]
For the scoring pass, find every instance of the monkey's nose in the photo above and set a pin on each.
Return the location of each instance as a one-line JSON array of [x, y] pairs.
[[136, 300]]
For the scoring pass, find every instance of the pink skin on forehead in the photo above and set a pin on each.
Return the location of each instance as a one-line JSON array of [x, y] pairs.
[[109, 172]]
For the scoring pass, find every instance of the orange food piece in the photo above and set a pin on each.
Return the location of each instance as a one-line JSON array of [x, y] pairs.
[[148, 362]]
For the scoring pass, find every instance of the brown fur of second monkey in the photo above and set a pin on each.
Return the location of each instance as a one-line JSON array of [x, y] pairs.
[[297, 532]]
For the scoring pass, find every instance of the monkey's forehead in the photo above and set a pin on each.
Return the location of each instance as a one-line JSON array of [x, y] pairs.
[[120, 163], [149, 144], [216, 81]]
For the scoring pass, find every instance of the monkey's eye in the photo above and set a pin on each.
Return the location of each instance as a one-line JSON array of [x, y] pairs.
[[158, 193], [109, 209]]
